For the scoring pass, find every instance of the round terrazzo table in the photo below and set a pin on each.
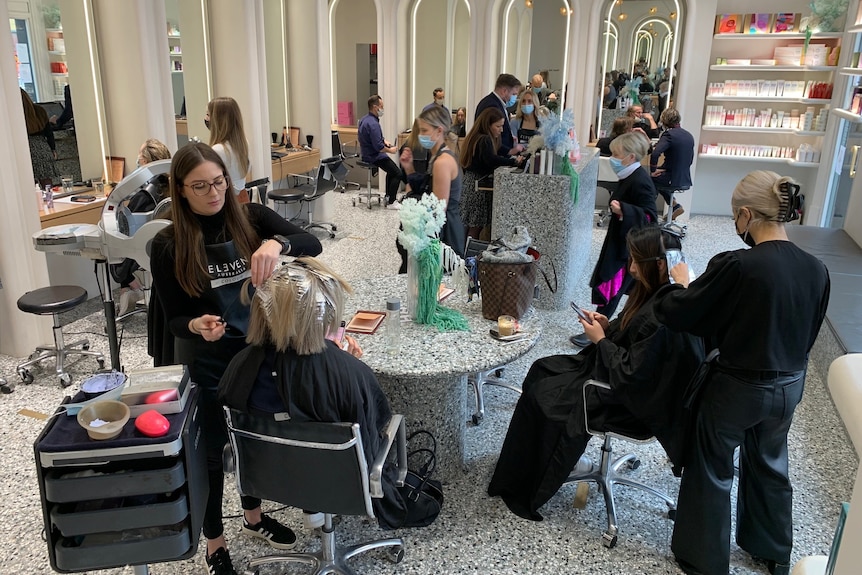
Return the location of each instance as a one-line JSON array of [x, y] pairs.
[[427, 380]]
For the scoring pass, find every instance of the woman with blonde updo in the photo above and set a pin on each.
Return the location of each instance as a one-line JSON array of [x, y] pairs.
[[762, 308]]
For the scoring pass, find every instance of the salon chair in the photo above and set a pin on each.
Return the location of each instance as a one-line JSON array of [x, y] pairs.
[[343, 184], [607, 472], [607, 184], [368, 194], [314, 189], [55, 300], [320, 466]]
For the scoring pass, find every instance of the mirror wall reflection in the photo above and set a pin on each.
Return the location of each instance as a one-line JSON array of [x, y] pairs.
[[54, 43], [535, 39], [638, 57], [439, 51], [353, 51], [186, 30]]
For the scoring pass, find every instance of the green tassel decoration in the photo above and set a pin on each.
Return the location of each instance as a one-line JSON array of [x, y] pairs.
[[428, 309], [574, 178]]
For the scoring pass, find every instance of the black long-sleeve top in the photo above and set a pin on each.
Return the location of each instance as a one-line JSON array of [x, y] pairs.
[[179, 306], [762, 307], [486, 159]]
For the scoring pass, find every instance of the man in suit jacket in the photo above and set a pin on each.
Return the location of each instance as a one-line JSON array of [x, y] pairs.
[[677, 145], [505, 94]]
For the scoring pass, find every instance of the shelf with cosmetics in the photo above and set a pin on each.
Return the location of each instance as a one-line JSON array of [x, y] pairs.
[[57, 60], [851, 106], [768, 97]]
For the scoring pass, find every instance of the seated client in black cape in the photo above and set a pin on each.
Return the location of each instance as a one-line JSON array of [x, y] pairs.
[[646, 364]]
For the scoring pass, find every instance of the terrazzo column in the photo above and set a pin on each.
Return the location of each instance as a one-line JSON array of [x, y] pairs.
[[561, 230]]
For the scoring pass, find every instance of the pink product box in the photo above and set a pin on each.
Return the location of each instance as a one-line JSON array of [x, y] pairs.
[[346, 116]]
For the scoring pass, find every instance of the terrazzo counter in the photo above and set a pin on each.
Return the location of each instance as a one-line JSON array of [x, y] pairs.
[[561, 230], [427, 380]]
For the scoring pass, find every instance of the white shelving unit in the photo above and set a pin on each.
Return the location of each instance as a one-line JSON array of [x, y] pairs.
[[56, 45], [761, 159], [176, 57]]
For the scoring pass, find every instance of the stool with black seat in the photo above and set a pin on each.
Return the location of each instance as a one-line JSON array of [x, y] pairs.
[[314, 189], [607, 472], [317, 466], [368, 194], [674, 210], [55, 300]]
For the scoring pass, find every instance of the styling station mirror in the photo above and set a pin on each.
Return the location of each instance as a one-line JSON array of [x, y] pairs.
[[353, 55], [546, 51], [639, 37], [433, 22]]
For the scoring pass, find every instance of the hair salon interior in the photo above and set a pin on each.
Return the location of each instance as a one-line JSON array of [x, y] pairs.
[[139, 69]]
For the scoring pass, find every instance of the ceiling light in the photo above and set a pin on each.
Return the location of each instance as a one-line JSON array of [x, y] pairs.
[[653, 10], [622, 16], [528, 3], [673, 15]]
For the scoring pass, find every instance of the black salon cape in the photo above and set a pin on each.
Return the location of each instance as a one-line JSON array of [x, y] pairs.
[[647, 366], [330, 386], [637, 196]]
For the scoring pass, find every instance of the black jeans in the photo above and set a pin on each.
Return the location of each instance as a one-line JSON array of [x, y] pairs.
[[394, 177], [753, 413], [215, 432]]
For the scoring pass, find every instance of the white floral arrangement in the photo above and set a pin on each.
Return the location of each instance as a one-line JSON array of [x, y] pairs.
[[825, 16], [421, 221], [558, 133]]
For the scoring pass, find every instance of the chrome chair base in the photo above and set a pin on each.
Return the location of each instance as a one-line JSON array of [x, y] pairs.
[[606, 474], [368, 194], [331, 558], [482, 378], [60, 350]]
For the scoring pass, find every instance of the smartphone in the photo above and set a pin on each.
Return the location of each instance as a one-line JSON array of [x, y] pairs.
[[673, 257], [581, 313], [338, 336]]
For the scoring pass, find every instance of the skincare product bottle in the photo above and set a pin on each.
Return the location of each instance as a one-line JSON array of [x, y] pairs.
[[393, 326]]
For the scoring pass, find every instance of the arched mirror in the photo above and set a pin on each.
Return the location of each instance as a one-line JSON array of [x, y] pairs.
[[535, 39], [640, 37], [444, 25], [353, 54]]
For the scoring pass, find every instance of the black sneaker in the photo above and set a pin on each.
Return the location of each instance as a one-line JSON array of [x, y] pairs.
[[580, 340], [219, 563], [270, 530]]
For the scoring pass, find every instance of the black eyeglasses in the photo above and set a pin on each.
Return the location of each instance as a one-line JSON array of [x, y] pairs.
[[203, 188]]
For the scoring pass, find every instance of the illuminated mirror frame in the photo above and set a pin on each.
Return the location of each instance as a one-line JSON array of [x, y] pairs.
[[611, 31]]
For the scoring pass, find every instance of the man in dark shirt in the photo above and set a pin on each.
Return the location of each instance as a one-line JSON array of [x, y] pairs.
[[439, 98], [677, 147], [374, 149], [505, 94]]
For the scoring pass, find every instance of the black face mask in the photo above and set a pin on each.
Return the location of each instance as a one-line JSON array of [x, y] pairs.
[[207, 123], [746, 237]]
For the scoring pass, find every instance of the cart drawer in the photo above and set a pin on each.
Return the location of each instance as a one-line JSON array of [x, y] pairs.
[[135, 547], [69, 485], [117, 515]]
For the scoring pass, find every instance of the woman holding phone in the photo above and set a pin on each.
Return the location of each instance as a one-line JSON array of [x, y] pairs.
[[763, 308], [646, 365]]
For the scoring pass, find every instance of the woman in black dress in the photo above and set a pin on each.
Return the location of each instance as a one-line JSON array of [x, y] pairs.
[[43, 149], [646, 364], [199, 264], [762, 308], [479, 158]]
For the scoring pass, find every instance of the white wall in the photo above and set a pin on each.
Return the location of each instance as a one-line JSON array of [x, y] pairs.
[[355, 22], [430, 52], [547, 44]]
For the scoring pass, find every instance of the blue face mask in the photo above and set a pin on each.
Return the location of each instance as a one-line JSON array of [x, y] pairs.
[[616, 165], [528, 108], [537, 90], [426, 142], [512, 100]]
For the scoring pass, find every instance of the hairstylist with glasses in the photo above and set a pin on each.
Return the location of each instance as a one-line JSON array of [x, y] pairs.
[[762, 308], [199, 265]]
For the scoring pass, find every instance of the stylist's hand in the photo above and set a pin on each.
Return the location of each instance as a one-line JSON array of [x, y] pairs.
[[210, 327], [595, 332], [616, 208], [352, 347], [263, 261], [679, 273]]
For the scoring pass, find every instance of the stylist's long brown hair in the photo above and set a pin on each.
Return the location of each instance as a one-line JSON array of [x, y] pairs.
[[35, 116], [482, 128], [190, 253]]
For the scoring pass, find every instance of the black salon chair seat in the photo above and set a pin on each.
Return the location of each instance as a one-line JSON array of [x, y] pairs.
[[55, 300]]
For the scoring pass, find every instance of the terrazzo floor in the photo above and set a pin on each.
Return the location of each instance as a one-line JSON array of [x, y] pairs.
[[474, 533]]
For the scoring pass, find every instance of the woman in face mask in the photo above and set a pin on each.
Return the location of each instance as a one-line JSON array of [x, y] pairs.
[[762, 308], [632, 206], [443, 171], [526, 124], [479, 158]]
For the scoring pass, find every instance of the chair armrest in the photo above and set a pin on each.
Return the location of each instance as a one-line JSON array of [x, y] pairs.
[[600, 385], [354, 147], [395, 433], [303, 176]]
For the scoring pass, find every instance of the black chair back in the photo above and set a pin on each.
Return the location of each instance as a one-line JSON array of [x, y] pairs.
[[310, 465], [329, 174]]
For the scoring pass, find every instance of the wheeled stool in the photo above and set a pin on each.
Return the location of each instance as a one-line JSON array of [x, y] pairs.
[[482, 378], [368, 194], [54, 300]]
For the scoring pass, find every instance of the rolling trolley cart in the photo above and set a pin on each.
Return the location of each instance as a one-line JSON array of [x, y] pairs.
[[131, 500]]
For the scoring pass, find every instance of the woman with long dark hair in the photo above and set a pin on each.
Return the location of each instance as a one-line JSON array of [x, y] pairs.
[[646, 364], [199, 265], [479, 159], [227, 138]]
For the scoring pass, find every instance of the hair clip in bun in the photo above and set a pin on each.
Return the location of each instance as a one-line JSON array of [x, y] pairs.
[[791, 201]]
